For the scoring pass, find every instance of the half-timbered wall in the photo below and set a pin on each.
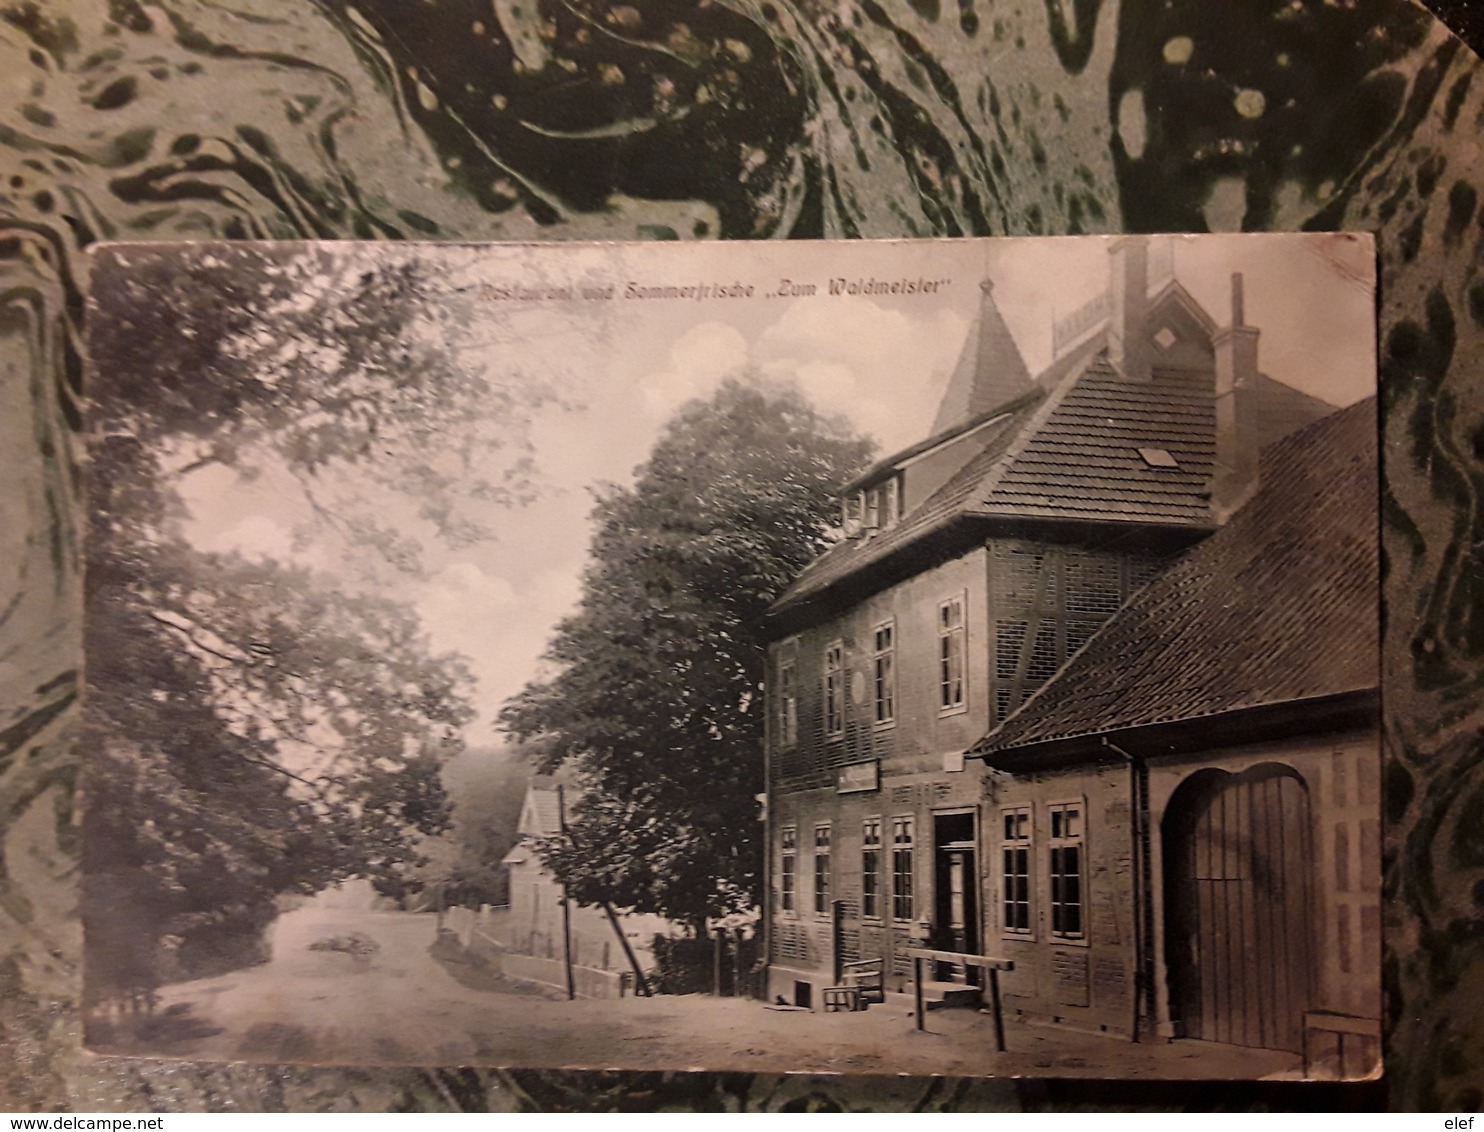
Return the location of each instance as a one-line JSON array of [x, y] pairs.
[[1026, 607], [1045, 602]]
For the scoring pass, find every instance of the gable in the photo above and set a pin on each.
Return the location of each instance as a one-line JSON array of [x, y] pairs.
[[1177, 338]]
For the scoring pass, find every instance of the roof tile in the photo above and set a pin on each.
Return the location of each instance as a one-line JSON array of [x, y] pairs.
[[1281, 604]]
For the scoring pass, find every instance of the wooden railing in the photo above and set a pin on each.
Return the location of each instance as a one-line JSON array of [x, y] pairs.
[[990, 963]]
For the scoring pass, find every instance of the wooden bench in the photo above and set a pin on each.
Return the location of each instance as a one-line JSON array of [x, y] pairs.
[[842, 998], [1340, 1025], [990, 963], [868, 975]]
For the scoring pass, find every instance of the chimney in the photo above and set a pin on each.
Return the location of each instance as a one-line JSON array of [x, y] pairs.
[[990, 371], [1128, 293], [1237, 423]]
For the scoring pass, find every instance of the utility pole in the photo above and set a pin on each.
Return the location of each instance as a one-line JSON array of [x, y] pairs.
[[566, 904], [716, 949], [641, 984]]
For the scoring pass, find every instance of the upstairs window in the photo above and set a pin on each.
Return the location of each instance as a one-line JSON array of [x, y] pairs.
[[951, 655], [787, 701], [891, 502], [851, 508], [884, 675], [876, 507], [834, 689]]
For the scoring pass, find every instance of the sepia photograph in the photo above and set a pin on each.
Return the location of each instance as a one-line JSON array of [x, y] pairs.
[[885, 657]]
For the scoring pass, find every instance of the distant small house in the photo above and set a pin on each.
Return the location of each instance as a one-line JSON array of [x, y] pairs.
[[601, 969]]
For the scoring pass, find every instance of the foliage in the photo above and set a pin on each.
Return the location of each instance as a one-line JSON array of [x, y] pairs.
[[490, 784], [257, 728], [658, 695], [317, 360]]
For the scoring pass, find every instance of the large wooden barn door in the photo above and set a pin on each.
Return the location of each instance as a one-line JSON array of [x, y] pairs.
[[1238, 906]]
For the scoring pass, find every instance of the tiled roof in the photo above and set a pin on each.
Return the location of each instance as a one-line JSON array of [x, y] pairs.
[[1069, 450], [1082, 461], [953, 499], [1280, 605]]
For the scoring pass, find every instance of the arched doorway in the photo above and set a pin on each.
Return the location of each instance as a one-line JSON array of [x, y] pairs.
[[1238, 900]]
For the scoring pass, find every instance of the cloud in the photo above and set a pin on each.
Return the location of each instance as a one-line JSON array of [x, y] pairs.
[[854, 358], [700, 358]]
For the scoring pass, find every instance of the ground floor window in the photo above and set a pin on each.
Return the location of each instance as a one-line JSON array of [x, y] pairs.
[[1066, 869], [1015, 870], [821, 869], [788, 868], [871, 869], [902, 849]]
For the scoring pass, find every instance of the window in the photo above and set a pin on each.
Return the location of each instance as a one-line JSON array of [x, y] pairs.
[[821, 870], [878, 507], [1066, 870], [901, 868], [788, 693], [1015, 870], [1158, 457], [871, 869], [883, 662], [834, 689], [850, 511], [788, 874], [951, 655]]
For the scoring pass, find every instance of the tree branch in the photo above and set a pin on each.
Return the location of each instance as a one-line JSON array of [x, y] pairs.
[[200, 644]]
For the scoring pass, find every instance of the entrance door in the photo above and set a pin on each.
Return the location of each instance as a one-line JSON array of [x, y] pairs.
[[1238, 906], [956, 911]]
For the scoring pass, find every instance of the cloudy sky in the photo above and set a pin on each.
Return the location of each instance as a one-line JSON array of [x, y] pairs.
[[625, 365]]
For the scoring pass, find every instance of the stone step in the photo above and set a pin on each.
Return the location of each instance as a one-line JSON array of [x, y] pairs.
[[940, 995]]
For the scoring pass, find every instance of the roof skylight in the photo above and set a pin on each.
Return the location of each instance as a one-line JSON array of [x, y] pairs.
[[1158, 458]]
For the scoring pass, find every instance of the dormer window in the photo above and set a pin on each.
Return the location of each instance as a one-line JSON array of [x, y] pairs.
[[891, 502], [851, 507], [872, 508]]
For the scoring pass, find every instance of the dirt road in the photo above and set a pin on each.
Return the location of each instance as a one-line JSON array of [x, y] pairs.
[[396, 1004]]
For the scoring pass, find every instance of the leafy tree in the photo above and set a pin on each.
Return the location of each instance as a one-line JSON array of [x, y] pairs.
[[257, 728], [657, 698], [351, 368]]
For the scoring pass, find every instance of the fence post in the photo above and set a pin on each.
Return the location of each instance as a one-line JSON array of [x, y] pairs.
[[737, 990], [917, 991]]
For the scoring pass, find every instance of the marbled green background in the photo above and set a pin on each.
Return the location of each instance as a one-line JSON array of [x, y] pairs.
[[577, 119]]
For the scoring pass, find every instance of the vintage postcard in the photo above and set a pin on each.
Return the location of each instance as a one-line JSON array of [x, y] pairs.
[[935, 657]]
